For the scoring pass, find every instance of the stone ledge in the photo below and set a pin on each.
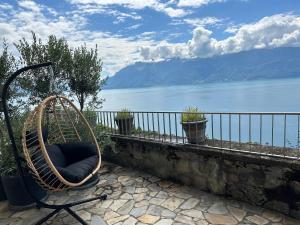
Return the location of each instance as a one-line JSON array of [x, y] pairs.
[[231, 154]]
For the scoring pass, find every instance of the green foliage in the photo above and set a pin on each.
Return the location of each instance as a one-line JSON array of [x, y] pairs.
[[8, 165], [7, 63], [192, 114], [102, 136], [123, 114], [7, 66], [55, 50], [91, 116], [75, 70], [85, 81]]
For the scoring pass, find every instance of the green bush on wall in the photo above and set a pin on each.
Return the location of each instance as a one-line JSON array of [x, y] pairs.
[[123, 114], [192, 114]]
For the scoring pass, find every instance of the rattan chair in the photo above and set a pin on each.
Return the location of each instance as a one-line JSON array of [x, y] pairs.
[[59, 147]]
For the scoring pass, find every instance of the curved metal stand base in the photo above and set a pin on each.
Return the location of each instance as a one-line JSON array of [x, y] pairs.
[[67, 208]]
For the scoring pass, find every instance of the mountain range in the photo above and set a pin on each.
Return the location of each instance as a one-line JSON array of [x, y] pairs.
[[248, 65]]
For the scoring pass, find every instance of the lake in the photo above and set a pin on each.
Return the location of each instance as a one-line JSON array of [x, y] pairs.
[[259, 96], [251, 96]]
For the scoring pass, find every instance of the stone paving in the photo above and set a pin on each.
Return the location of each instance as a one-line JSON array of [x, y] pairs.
[[136, 198]]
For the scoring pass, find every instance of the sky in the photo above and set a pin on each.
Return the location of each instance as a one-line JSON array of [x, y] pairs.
[[127, 31]]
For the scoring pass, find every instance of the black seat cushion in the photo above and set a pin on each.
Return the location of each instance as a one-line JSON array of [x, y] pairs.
[[76, 172], [74, 161]]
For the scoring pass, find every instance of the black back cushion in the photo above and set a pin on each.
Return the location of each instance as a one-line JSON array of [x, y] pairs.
[[75, 152], [56, 155]]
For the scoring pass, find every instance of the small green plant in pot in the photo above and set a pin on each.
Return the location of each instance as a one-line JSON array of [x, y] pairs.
[[194, 124], [124, 121], [13, 186]]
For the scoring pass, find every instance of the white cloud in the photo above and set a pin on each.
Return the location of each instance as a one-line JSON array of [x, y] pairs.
[[133, 27], [164, 50], [31, 5], [201, 22], [136, 5], [196, 3], [116, 51], [269, 32], [96, 9], [5, 6]]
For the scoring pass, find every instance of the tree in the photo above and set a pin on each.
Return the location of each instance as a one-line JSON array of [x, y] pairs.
[[7, 66], [85, 81], [55, 50]]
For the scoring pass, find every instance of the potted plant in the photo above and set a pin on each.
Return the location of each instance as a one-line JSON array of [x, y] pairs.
[[124, 121], [17, 196], [194, 124]]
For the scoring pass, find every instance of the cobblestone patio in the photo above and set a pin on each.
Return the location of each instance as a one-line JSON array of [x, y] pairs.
[[136, 198]]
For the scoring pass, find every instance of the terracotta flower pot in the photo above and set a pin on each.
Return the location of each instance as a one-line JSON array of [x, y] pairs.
[[125, 125], [195, 131]]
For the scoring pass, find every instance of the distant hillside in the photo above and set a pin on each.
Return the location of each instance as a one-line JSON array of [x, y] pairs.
[[249, 65]]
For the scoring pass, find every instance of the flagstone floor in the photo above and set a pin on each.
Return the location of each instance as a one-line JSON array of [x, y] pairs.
[[136, 198]]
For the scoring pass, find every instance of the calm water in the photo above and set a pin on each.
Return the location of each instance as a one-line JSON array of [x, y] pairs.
[[270, 95], [255, 96]]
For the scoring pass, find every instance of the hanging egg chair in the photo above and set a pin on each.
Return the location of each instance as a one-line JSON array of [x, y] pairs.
[[59, 145]]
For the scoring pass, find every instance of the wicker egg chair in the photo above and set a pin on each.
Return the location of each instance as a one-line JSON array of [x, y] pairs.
[[59, 147]]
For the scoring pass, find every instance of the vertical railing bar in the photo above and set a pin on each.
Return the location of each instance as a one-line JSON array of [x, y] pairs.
[[158, 126], [133, 124], [170, 127], [115, 123], [239, 129], [101, 122], [197, 139], [284, 133], [298, 135], [107, 121], [260, 129], [250, 132], [229, 130], [139, 129], [164, 125], [104, 120], [111, 125], [98, 119], [153, 128], [212, 126], [221, 134], [182, 133], [148, 124], [260, 132], [143, 125], [176, 127], [272, 131]]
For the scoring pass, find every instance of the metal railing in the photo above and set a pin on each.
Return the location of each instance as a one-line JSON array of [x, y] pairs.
[[263, 133]]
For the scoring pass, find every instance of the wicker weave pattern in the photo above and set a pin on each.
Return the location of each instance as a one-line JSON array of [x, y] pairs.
[[65, 124]]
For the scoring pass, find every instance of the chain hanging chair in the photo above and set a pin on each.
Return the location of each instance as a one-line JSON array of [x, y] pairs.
[[59, 147]]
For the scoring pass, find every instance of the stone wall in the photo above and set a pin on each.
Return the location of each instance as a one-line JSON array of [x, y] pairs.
[[273, 183]]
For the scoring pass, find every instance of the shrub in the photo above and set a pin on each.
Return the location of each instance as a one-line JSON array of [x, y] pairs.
[[123, 114], [192, 114]]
